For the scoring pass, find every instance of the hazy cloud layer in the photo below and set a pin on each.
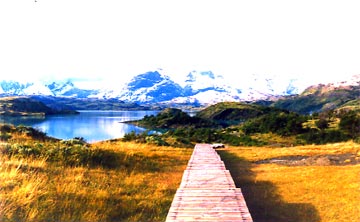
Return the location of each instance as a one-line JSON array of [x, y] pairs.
[[113, 39]]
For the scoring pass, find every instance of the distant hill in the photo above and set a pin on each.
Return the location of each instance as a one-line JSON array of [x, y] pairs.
[[321, 98], [218, 115], [233, 111], [61, 103], [173, 118], [24, 106]]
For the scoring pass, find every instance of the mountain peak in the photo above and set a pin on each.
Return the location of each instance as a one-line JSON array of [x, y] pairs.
[[145, 80], [194, 75], [60, 85], [151, 87]]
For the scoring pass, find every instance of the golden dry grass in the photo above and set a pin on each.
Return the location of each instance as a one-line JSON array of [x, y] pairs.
[[297, 193], [141, 189]]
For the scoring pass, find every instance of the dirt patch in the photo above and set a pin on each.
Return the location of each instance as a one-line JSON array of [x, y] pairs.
[[318, 160]]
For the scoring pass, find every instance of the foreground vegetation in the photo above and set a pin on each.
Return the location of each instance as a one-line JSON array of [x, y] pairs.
[[282, 184], [242, 124], [43, 179]]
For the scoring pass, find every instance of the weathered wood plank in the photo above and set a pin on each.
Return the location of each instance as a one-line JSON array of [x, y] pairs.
[[207, 191]]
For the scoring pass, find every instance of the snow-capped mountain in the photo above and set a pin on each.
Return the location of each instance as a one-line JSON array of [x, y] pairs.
[[60, 88], [151, 87], [197, 87], [202, 81], [206, 87], [37, 88], [260, 86], [13, 87]]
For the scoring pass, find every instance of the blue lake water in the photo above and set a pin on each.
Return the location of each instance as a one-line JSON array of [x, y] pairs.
[[91, 125]]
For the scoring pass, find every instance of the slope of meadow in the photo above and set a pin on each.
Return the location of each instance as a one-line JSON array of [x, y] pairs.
[[304, 183], [116, 181]]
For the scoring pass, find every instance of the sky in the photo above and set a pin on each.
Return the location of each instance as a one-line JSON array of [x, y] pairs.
[[113, 40]]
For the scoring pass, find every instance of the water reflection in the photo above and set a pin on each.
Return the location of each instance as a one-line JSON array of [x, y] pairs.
[[91, 125], [23, 120]]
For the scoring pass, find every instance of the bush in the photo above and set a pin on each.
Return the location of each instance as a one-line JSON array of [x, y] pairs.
[[322, 124], [130, 136], [32, 132], [156, 140], [5, 136], [315, 136], [282, 123], [22, 150], [357, 140], [350, 123]]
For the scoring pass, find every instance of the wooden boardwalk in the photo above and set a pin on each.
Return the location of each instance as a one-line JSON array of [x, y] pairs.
[[207, 191]]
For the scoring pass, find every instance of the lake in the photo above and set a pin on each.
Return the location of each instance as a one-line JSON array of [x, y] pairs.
[[93, 126]]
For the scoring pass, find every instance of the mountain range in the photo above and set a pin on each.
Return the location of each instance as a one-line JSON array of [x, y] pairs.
[[198, 88], [203, 87]]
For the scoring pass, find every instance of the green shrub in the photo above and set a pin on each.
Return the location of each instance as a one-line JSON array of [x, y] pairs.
[[5, 136], [281, 123], [315, 136], [322, 123], [130, 136], [155, 139], [350, 123], [357, 140], [32, 132], [23, 150]]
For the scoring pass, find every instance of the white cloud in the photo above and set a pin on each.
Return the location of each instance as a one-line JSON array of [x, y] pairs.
[[117, 39]]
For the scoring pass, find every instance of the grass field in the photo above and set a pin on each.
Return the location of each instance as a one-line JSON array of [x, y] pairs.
[[51, 180], [141, 188], [310, 192]]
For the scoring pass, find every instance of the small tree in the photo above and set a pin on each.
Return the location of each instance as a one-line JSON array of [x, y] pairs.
[[322, 123], [350, 122]]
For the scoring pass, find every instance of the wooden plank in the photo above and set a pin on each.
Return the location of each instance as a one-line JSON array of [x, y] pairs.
[[222, 218], [207, 191]]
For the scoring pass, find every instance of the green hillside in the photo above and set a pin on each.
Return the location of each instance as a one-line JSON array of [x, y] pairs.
[[250, 125], [60, 103], [353, 105], [230, 111], [173, 118], [233, 112], [24, 106], [218, 115], [319, 98]]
